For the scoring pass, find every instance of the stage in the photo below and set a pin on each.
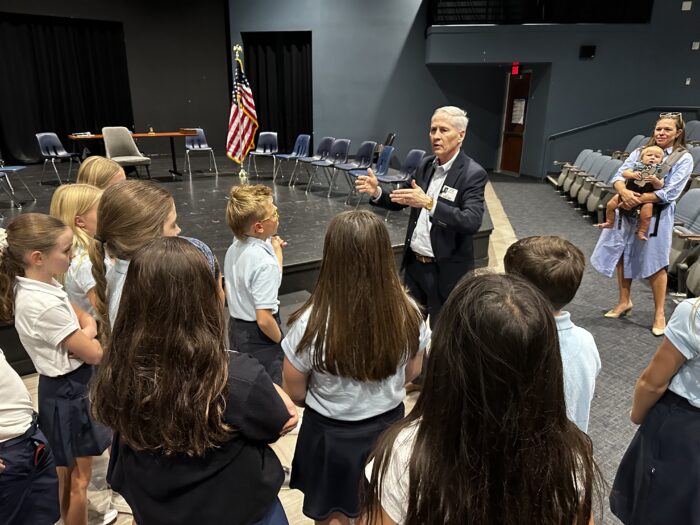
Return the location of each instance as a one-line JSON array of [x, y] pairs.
[[201, 207]]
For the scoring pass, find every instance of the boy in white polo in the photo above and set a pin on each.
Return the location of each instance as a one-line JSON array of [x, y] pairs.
[[253, 274]]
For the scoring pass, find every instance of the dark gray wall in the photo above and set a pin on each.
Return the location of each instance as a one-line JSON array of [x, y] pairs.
[[176, 53], [636, 66], [369, 72]]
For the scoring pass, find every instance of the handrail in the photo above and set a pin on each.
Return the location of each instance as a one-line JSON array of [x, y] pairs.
[[571, 131]]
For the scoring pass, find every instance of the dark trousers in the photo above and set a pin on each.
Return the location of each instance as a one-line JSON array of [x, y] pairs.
[[29, 485], [247, 338], [422, 282]]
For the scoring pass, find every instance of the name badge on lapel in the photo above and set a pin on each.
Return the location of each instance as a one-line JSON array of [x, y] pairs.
[[449, 194]]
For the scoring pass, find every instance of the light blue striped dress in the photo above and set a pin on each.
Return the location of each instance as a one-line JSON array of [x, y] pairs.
[[642, 258]]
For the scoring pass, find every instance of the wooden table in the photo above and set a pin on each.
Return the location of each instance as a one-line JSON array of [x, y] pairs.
[[170, 134]]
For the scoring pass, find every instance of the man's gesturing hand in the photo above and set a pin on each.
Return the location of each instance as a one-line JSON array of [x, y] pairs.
[[368, 184], [413, 196]]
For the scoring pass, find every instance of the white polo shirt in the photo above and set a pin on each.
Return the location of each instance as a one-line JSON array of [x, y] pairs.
[[16, 409], [116, 275], [79, 281], [44, 317], [253, 277]]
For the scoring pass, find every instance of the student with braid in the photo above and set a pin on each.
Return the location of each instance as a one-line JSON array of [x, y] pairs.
[[130, 214]]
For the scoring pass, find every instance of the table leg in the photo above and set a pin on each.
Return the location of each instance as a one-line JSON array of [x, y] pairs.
[[173, 171]]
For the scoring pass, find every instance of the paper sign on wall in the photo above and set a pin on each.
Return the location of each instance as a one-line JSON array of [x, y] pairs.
[[518, 116]]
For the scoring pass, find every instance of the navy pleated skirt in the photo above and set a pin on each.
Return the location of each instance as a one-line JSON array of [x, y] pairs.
[[658, 480], [329, 460], [64, 417]]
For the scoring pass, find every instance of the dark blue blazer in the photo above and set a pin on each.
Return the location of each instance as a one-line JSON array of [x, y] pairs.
[[453, 223]]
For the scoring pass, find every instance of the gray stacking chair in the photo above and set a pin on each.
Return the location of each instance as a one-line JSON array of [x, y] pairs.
[[52, 149], [692, 131], [267, 147], [584, 167], [606, 173], [195, 143], [565, 166], [601, 189], [687, 227], [121, 148], [581, 176], [362, 160], [631, 145], [337, 155], [689, 271], [301, 149], [322, 151], [693, 278]]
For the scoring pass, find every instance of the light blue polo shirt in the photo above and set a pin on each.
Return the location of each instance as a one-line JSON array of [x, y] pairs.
[[581, 364], [252, 276], [683, 331], [116, 275]]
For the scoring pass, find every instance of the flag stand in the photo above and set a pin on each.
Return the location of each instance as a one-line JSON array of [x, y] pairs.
[[242, 173], [243, 122]]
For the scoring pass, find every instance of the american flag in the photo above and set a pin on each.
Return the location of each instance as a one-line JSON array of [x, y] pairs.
[[243, 122]]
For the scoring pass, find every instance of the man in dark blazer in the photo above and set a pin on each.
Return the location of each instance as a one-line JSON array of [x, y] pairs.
[[446, 196]]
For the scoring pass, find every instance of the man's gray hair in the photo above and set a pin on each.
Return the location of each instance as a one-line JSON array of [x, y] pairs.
[[457, 116]]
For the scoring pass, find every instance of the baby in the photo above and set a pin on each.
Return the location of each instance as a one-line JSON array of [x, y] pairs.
[[642, 178]]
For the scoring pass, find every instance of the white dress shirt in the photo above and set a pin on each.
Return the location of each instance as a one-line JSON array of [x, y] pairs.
[[420, 241]]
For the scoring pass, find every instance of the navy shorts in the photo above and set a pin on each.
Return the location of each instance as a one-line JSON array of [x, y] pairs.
[[28, 485]]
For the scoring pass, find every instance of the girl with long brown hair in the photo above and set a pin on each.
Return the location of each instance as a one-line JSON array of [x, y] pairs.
[[192, 420], [60, 340], [349, 351], [489, 440], [130, 214]]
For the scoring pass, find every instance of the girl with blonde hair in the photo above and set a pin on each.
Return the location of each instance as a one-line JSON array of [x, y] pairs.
[[130, 214], [60, 340], [76, 206], [100, 172]]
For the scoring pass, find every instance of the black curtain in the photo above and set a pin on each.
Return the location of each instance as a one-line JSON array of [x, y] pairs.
[[62, 75], [278, 66]]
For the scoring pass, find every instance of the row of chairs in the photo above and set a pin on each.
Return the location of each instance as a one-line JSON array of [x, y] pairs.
[[121, 148], [331, 158]]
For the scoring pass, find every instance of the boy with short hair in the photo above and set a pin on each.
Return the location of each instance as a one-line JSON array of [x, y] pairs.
[[253, 274], [555, 266]]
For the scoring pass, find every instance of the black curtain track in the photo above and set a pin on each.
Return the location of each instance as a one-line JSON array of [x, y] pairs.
[[278, 66], [62, 75]]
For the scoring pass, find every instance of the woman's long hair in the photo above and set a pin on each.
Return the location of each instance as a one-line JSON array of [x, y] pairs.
[[71, 200], [493, 443], [162, 383], [26, 233], [362, 323], [130, 214]]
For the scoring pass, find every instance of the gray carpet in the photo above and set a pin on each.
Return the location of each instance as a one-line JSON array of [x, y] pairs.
[[625, 345]]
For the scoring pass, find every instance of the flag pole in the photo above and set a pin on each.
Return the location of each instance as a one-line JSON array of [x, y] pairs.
[[242, 174]]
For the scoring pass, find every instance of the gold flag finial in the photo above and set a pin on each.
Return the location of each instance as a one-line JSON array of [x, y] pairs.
[[237, 49]]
